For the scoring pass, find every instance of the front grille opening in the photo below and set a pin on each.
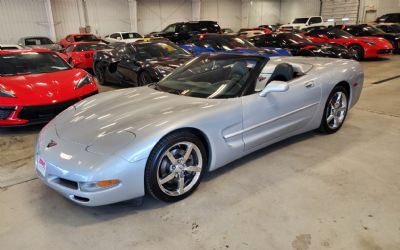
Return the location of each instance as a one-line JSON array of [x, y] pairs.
[[5, 112], [66, 183], [82, 199]]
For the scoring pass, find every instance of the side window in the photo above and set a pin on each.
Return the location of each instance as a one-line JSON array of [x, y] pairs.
[[315, 20], [114, 36], [205, 43], [69, 48], [70, 39], [271, 41], [170, 28]]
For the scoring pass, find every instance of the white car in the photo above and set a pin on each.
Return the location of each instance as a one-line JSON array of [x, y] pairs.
[[126, 37], [305, 22], [9, 46]]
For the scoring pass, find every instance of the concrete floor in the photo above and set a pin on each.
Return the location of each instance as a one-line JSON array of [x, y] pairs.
[[310, 192]]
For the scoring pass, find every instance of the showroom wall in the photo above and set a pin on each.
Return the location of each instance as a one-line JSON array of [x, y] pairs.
[[56, 18], [154, 15], [16, 23], [291, 9], [228, 13]]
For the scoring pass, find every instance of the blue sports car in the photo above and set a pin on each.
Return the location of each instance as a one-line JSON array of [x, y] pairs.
[[206, 43]]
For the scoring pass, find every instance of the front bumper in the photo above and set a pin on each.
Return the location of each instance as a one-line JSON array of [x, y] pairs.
[[29, 115], [68, 164], [375, 51]]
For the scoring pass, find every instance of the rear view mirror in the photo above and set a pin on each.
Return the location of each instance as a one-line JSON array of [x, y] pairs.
[[274, 86]]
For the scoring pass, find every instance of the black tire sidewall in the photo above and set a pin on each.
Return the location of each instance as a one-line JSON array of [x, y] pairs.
[[359, 50], [98, 72], [151, 170], [324, 127]]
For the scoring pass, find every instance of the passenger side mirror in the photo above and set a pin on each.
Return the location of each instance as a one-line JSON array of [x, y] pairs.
[[274, 86]]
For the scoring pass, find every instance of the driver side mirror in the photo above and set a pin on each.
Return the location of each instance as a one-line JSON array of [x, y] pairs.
[[274, 86]]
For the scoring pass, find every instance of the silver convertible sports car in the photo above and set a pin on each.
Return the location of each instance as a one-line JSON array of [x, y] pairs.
[[161, 139]]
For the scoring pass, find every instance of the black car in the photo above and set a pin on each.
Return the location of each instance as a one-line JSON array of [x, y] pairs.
[[180, 32], [368, 30], [389, 18], [389, 27], [138, 63], [300, 46]]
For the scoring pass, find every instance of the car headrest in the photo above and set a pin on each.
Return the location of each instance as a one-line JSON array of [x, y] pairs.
[[283, 72]]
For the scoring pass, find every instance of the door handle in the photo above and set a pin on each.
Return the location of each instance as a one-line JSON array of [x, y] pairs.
[[309, 84]]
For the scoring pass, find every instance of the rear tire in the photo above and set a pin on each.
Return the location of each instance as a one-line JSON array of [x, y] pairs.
[[335, 110], [359, 51], [175, 167]]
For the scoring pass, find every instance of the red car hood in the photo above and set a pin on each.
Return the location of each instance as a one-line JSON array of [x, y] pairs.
[[46, 88], [377, 40]]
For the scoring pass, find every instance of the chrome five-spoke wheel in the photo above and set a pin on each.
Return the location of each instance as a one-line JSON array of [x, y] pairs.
[[175, 166], [336, 110], [180, 168]]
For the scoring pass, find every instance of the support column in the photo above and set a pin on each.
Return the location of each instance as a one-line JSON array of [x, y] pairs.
[[50, 20], [133, 15], [196, 10]]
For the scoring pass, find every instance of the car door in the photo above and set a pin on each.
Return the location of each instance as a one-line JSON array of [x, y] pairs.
[[127, 67], [279, 114]]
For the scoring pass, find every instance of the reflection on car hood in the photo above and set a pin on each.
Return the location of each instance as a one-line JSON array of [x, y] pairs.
[[133, 110]]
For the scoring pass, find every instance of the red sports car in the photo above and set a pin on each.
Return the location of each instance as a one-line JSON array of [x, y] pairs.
[[80, 55], [74, 38], [365, 47], [35, 85]]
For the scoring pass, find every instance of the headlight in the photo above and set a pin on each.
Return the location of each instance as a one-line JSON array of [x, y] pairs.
[[7, 93], [95, 186], [87, 79]]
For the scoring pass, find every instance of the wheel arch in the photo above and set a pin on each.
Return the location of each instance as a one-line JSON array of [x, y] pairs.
[[199, 134]]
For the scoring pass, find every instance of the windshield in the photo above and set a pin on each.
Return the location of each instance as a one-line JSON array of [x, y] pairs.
[[230, 43], [94, 46], [211, 77], [300, 20], [86, 38], [130, 35], [338, 33], [372, 30], [205, 27], [31, 63], [160, 50], [294, 38], [37, 41]]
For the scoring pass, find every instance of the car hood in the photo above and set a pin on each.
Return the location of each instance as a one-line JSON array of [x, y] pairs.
[[47, 88], [132, 110], [376, 40]]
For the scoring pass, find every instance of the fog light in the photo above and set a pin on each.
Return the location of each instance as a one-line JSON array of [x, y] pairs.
[[97, 185]]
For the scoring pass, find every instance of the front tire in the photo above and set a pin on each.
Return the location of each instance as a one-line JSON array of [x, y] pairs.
[[358, 50], [175, 167], [99, 72], [335, 111]]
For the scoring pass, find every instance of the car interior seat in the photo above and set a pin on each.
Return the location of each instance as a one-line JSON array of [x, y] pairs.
[[282, 72]]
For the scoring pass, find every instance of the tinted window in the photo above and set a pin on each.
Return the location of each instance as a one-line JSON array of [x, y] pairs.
[[152, 51], [210, 77], [70, 39], [291, 38], [170, 28], [315, 20], [85, 38], [69, 48], [130, 35], [205, 27], [115, 36], [37, 41], [300, 20], [31, 63]]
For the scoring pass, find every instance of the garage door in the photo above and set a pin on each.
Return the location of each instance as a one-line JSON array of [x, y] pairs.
[[339, 9]]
